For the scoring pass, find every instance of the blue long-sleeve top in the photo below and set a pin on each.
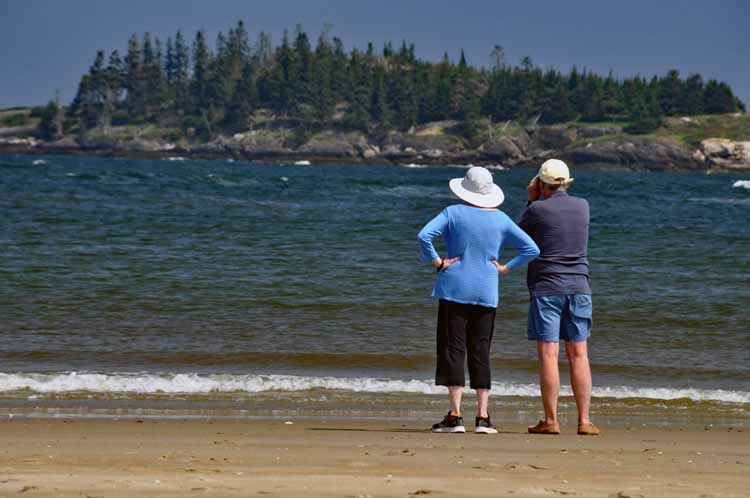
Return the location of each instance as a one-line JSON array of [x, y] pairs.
[[478, 236]]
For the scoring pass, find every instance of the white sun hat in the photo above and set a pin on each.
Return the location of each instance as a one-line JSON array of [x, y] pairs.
[[477, 188], [555, 172]]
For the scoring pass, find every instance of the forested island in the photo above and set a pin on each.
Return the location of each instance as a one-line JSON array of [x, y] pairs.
[[316, 98]]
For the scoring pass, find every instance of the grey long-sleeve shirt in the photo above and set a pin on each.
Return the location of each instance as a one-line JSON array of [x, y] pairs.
[[560, 227]]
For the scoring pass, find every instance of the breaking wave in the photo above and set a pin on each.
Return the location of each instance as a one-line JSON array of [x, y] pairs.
[[251, 384]]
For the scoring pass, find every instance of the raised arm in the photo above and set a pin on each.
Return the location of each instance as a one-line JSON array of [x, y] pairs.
[[527, 248], [434, 228]]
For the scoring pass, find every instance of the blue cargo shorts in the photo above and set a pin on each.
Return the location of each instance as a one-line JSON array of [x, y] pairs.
[[556, 317]]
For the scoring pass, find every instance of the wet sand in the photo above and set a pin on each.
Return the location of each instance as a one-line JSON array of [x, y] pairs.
[[309, 458]]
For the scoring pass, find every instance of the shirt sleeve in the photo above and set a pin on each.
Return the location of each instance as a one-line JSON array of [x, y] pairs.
[[526, 223], [527, 249], [436, 227]]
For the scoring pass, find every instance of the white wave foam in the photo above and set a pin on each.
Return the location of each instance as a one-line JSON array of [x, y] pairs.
[[252, 384], [413, 166], [38, 162], [742, 184], [175, 158], [719, 200], [302, 163]]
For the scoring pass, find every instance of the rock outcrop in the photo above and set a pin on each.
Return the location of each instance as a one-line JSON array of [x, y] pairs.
[[440, 142], [722, 153], [334, 145], [661, 154]]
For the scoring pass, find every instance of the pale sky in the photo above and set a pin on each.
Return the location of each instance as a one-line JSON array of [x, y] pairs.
[[48, 44]]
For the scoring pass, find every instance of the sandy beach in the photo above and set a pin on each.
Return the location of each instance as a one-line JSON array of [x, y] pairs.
[[167, 457]]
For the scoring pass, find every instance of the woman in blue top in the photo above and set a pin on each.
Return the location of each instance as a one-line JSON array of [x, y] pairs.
[[475, 234]]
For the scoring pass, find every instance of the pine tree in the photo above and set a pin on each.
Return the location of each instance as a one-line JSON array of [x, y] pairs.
[[692, 98], [134, 80], [442, 91], [671, 91], [244, 101], [646, 116], [555, 102], [263, 55], [280, 91], [221, 83], [154, 76], [322, 97], [113, 83], [358, 116], [718, 98], [51, 123], [181, 80], [392, 89], [466, 105], [303, 61], [238, 51], [380, 107], [201, 75], [340, 84]]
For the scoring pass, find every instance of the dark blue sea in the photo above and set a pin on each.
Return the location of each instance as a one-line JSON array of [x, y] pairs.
[[219, 288]]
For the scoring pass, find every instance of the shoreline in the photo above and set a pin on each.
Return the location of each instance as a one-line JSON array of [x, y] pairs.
[[319, 160], [320, 405], [146, 457]]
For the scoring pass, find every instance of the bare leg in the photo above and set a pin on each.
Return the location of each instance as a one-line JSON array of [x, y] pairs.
[[455, 394], [483, 396], [580, 378], [549, 377]]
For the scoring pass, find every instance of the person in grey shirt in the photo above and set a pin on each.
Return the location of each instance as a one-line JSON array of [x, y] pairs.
[[558, 281]]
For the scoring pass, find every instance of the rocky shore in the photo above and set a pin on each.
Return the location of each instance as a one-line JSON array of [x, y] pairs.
[[594, 146]]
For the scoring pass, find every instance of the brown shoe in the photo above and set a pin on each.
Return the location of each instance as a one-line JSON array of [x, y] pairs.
[[588, 430], [544, 428]]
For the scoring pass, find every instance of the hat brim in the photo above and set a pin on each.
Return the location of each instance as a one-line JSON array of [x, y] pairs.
[[490, 200], [557, 181]]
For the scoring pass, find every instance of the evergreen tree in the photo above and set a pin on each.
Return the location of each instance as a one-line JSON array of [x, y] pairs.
[[114, 83], [322, 97], [280, 91], [646, 116], [244, 101], [377, 91], [358, 116], [340, 84], [154, 76], [303, 61], [692, 98], [555, 102], [201, 75], [51, 123], [380, 107], [466, 104], [443, 90], [135, 80], [170, 66], [671, 93], [181, 81], [238, 51], [263, 55], [718, 98]]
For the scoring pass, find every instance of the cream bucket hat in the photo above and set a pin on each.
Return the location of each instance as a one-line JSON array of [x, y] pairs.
[[477, 188]]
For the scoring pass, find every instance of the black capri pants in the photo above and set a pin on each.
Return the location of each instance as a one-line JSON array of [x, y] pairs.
[[464, 332]]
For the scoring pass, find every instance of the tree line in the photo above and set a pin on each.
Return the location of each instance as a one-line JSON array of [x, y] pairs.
[[229, 87]]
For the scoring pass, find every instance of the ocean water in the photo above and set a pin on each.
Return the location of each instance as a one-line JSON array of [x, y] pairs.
[[214, 288]]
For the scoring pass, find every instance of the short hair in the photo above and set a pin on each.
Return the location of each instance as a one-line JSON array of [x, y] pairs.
[[554, 187]]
